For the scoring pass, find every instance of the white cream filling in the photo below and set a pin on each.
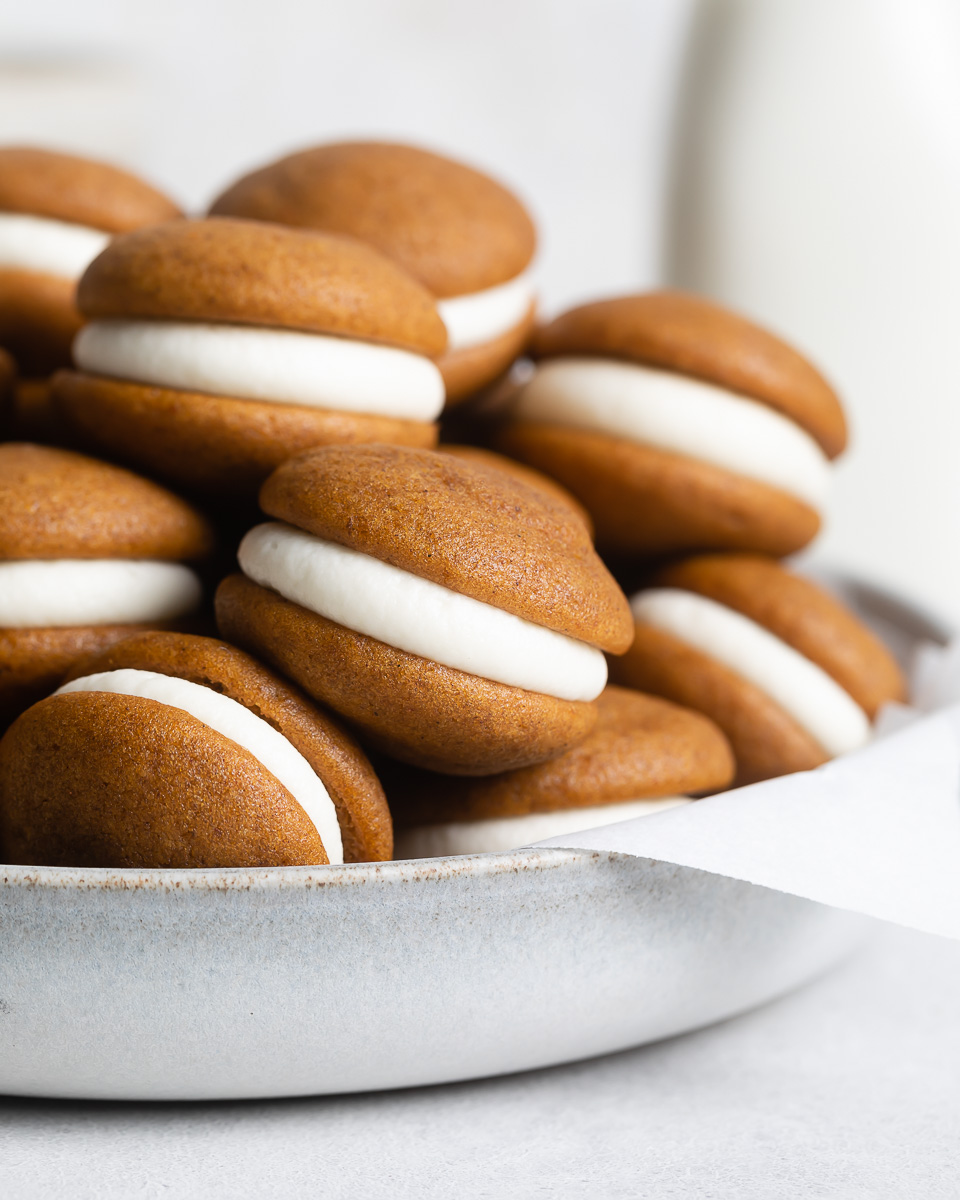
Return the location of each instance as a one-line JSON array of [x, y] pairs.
[[413, 614], [55, 593], [510, 833], [681, 415], [815, 701], [480, 317], [230, 718], [31, 243], [280, 365]]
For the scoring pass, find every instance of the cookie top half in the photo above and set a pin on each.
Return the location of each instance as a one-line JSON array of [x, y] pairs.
[[58, 504], [82, 191], [463, 526], [687, 334], [252, 273], [453, 228]]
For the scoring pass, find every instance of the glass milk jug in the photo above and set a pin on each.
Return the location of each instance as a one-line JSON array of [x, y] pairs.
[[817, 189]]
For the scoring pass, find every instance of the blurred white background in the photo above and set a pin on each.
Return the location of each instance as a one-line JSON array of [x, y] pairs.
[[820, 170], [565, 99]]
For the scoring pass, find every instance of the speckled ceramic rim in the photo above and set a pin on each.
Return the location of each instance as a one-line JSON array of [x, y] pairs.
[[244, 879], [915, 619]]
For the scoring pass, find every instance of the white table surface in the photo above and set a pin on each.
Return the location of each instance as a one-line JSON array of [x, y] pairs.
[[849, 1088]]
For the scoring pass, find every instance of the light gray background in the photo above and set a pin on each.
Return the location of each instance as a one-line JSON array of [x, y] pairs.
[[847, 1089]]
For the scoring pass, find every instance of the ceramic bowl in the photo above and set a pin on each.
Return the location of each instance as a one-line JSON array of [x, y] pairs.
[[224, 984]]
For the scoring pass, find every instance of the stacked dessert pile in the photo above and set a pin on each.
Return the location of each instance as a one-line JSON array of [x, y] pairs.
[[419, 635]]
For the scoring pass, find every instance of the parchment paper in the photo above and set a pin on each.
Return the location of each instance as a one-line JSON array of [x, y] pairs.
[[876, 832]]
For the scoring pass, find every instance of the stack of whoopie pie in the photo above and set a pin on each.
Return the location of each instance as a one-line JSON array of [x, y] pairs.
[[394, 622]]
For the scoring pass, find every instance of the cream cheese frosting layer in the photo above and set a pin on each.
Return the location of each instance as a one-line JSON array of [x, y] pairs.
[[802, 689], [58, 593], [421, 617], [31, 243], [280, 365], [230, 718], [510, 833], [480, 317], [684, 416]]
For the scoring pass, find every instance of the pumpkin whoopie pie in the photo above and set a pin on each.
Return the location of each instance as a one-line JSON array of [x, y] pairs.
[[679, 425], [89, 553], [57, 212], [450, 613], [789, 674], [462, 234], [643, 756], [218, 349], [177, 751]]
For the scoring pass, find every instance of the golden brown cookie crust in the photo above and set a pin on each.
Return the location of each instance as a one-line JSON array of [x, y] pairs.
[[34, 662], [766, 740], [38, 319], [135, 783], [648, 501], [466, 371], [335, 757], [482, 534], [212, 444], [58, 504], [642, 747], [82, 191], [251, 273], [801, 614], [536, 479], [681, 332], [416, 710], [455, 229]]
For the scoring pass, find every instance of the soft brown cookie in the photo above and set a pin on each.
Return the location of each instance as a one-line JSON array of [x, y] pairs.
[[642, 748], [801, 614], [134, 780], [250, 273], [68, 524], [218, 349], [478, 536], [66, 201], [80, 191], [778, 714], [33, 662], [688, 334], [679, 425], [59, 504], [186, 431], [532, 478], [649, 502], [455, 229]]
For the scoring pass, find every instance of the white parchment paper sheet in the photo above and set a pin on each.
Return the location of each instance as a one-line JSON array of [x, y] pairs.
[[876, 832]]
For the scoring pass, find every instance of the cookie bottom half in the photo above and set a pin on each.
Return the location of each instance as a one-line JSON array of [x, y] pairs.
[[416, 710], [212, 444], [647, 501], [34, 661]]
